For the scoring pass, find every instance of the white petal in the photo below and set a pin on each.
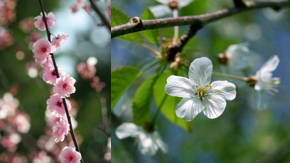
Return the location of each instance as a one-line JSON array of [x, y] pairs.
[[159, 142], [215, 106], [127, 130], [179, 86], [223, 88], [189, 108], [165, 2], [239, 56], [146, 144], [183, 3], [265, 73], [160, 10], [200, 71]]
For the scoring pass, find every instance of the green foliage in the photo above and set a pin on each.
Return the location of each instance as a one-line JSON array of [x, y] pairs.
[[121, 79], [151, 35], [118, 17], [169, 106], [196, 7], [142, 101]]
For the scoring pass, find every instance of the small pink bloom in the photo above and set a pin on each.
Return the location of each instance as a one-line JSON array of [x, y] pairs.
[[22, 122], [39, 24], [55, 104], [58, 41], [41, 50], [60, 130], [64, 86], [49, 74], [70, 155], [42, 157]]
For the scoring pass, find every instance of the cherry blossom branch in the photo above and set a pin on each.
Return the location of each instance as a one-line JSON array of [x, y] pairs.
[[204, 19], [57, 74], [100, 14]]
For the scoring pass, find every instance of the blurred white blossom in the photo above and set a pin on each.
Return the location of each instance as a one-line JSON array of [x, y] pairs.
[[148, 142]]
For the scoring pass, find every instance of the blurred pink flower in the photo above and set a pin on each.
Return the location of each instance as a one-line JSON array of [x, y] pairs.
[[41, 50], [39, 24], [60, 130], [58, 41], [64, 86], [27, 24], [70, 155], [55, 104], [42, 157], [21, 121]]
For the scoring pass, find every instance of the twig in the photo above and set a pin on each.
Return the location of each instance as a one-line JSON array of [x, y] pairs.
[[57, 74], [188, 20], [101, 15]]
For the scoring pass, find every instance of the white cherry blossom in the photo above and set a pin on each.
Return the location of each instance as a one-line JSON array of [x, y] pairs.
[[265, 81], [198, 93], [148, 142], [238, 56], [164, 9]]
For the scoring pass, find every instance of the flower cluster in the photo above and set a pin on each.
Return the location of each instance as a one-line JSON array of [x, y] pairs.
[[12, 123], [63, 85], [88, 72]]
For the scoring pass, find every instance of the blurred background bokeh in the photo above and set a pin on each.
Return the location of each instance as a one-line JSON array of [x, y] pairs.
[[85, 55], [252, 128]]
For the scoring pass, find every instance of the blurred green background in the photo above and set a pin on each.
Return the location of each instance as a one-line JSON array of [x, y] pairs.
[[86, 39], [243, 133]]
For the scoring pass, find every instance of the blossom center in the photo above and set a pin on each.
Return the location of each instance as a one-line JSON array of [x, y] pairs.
[[43, 49], [64, 86], [58, 103], [201, 92]]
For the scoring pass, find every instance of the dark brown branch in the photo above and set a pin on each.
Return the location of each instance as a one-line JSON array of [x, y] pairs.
[[57, 74], [101, 15], [188, 20]]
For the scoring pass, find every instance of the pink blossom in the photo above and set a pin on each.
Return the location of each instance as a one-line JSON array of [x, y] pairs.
[[60, 130], [70, 155], [39, 24], [22, 122], [42, 157], [55, 104], [49, 72], [41, 50], [58, 41], [64, 86]]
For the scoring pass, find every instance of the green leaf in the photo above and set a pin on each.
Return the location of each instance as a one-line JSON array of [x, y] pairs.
[[151, 35], [142, 101], [121, 79], [169, 106], [117, 18]]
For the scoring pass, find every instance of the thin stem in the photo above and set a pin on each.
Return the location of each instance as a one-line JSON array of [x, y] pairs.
[[164, 98], [159, 109], [101, 15], [176, 28], [229, 76], [57, 74], [157, 53]]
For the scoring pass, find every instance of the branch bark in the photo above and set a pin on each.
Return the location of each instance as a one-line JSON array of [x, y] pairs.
[[100, 14], [188, 20]]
